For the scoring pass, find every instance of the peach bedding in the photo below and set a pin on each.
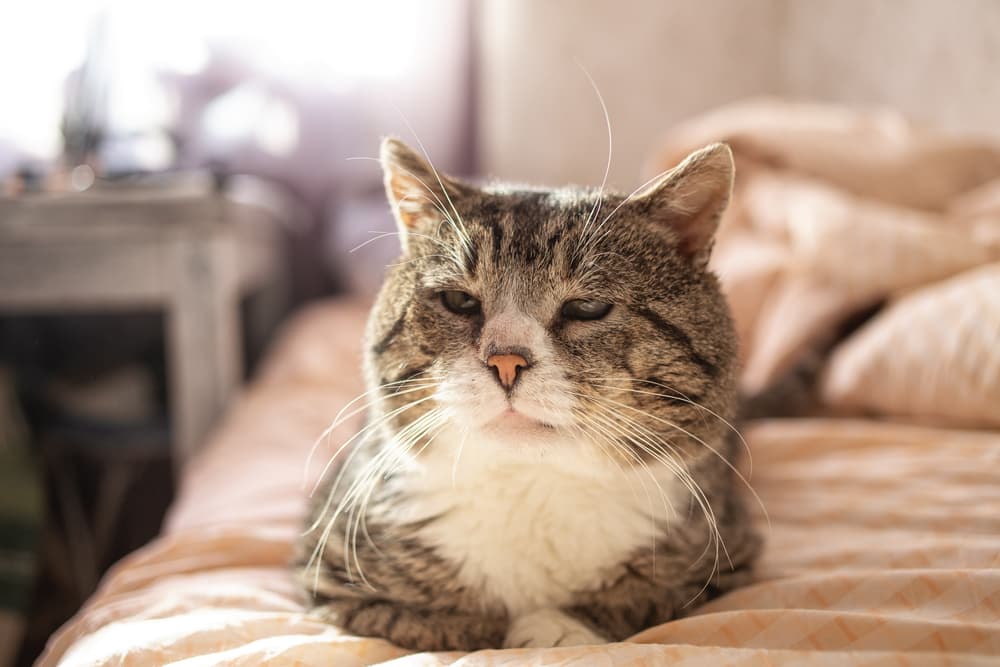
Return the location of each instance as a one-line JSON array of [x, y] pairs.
[[884, 537], [835, 210], [884, 543]]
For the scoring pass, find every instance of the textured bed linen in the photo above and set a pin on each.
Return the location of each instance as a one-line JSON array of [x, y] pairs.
[[883, 546]]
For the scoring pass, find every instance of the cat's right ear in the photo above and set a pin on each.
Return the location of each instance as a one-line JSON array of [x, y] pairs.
[[419, 195]]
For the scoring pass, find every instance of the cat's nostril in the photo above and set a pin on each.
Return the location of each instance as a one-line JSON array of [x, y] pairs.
[[507, 367]]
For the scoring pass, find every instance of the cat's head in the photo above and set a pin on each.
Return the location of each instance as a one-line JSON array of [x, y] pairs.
[[527, 317]]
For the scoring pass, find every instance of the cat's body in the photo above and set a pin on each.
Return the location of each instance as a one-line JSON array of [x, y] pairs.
[[547, 459]]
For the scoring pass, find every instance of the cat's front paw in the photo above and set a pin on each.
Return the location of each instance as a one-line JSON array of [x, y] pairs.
[[549, 627]]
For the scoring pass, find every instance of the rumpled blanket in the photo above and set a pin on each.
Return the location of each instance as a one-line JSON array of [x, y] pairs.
[[882, 535], [835, 211]]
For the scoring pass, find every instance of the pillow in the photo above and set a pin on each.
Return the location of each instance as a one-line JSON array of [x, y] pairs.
[[934, 353]]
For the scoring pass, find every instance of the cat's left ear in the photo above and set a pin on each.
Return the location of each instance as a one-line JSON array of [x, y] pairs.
[[417, 192], [691, 198]]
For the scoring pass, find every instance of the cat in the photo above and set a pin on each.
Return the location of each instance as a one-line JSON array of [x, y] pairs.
[[547, 459]]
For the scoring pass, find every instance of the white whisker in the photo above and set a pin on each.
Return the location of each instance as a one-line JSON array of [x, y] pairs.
[[697, 439], [342, 417], [458, 456], [594, 211], [652, 444], [680, 396], [399, 449], [596, 437], [460, 226], [593, 238], [363, 433]]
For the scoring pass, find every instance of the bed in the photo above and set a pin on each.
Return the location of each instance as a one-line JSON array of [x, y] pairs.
[[881, 514]]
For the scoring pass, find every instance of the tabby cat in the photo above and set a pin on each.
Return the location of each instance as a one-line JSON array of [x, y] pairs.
[[547, 459]]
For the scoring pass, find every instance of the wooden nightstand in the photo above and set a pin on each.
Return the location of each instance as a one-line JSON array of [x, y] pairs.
[[187, 251]]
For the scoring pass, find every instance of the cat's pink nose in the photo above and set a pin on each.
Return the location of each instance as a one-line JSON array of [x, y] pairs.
[[507, 367]]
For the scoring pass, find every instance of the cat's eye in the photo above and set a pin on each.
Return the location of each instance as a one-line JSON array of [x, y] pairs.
[[461, 303], [582, 309]]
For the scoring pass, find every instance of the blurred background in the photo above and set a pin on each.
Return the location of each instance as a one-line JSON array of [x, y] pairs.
[[179, 177]]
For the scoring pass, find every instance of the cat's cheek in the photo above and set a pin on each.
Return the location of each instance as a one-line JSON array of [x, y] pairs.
[[444, 330]]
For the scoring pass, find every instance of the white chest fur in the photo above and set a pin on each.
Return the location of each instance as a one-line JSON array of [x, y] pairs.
[[531, 530]]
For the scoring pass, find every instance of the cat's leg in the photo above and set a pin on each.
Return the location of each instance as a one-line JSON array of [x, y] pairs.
[[653, 588], [415, 628], [549, 627]]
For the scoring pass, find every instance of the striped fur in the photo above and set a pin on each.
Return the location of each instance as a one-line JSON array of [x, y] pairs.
[[599, 496]]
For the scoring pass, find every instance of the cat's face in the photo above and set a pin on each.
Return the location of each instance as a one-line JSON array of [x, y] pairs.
[[526, 318]]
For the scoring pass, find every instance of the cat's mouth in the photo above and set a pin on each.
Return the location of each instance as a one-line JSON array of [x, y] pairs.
[[513, 419]]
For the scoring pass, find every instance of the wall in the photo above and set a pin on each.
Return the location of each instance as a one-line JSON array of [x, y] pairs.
[[937, 61], [659, 61], [654, 62]]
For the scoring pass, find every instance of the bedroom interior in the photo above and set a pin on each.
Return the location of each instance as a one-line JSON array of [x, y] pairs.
[[193, 225]]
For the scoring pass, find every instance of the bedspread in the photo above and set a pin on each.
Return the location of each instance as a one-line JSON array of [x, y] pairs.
[[883, 542]]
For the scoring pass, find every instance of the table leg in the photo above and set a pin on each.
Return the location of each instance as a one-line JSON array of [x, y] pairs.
[[204, 347]]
